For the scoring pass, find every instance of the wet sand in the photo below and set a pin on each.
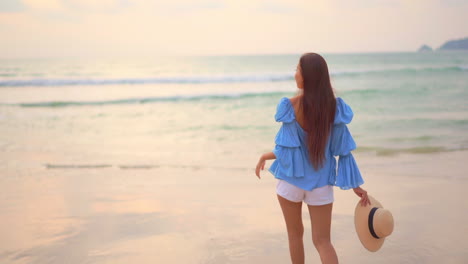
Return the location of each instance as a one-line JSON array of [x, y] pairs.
[[211, 214]]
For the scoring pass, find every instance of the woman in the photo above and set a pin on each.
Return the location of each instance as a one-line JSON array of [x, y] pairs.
[[314, 130]]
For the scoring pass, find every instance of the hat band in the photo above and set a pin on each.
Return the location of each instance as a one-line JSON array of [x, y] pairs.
[[371, 222]]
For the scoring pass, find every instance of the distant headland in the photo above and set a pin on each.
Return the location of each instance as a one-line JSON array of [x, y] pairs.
[[457, 44]]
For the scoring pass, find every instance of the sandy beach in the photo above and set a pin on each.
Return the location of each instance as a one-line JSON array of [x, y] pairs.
[[221, 215]]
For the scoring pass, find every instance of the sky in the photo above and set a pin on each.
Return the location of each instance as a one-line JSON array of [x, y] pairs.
[[76, 28]]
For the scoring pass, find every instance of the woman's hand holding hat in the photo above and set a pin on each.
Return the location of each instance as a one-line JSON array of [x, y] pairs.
[[363, 194]]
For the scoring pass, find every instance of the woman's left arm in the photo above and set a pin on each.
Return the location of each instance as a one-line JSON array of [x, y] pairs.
[[261, 162]]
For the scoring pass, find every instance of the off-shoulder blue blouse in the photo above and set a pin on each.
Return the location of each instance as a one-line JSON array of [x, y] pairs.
[[292, 158]]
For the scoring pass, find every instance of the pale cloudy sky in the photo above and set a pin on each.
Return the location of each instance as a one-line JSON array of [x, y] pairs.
[[54, 28]]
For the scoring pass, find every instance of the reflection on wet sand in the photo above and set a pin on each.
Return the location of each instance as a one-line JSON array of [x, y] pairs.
[[183, 215]]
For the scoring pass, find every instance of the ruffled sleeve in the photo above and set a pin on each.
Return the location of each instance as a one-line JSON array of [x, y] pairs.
[[284, 111], [289, 159], [342, 143]]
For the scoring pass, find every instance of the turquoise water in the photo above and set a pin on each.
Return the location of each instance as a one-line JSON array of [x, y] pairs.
[[214, 108]]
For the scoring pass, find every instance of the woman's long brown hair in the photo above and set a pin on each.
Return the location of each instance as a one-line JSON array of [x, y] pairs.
[[318, 105]]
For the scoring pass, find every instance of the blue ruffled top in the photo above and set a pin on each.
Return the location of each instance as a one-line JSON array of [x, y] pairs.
[[292, 162]]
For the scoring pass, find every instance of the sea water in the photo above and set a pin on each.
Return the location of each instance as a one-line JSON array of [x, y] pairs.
[[200, 111]]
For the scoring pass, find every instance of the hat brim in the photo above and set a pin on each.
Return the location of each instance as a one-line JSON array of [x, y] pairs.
[[361, 217]]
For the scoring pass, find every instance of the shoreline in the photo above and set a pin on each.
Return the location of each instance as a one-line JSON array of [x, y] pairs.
[[207, 215]]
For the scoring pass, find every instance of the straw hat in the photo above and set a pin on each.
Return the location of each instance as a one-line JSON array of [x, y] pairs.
[[373, 223]]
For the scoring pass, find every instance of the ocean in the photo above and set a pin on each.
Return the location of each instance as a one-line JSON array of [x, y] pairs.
[[154, 111], [151, 160]]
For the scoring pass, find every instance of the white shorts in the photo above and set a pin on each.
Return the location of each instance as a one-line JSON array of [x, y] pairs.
[[318, 196]]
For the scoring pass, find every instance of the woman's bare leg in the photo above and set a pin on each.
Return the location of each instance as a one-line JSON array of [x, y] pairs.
[[320, 218], [292, 213]]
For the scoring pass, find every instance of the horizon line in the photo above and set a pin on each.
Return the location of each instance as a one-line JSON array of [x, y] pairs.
[[218, 55]]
